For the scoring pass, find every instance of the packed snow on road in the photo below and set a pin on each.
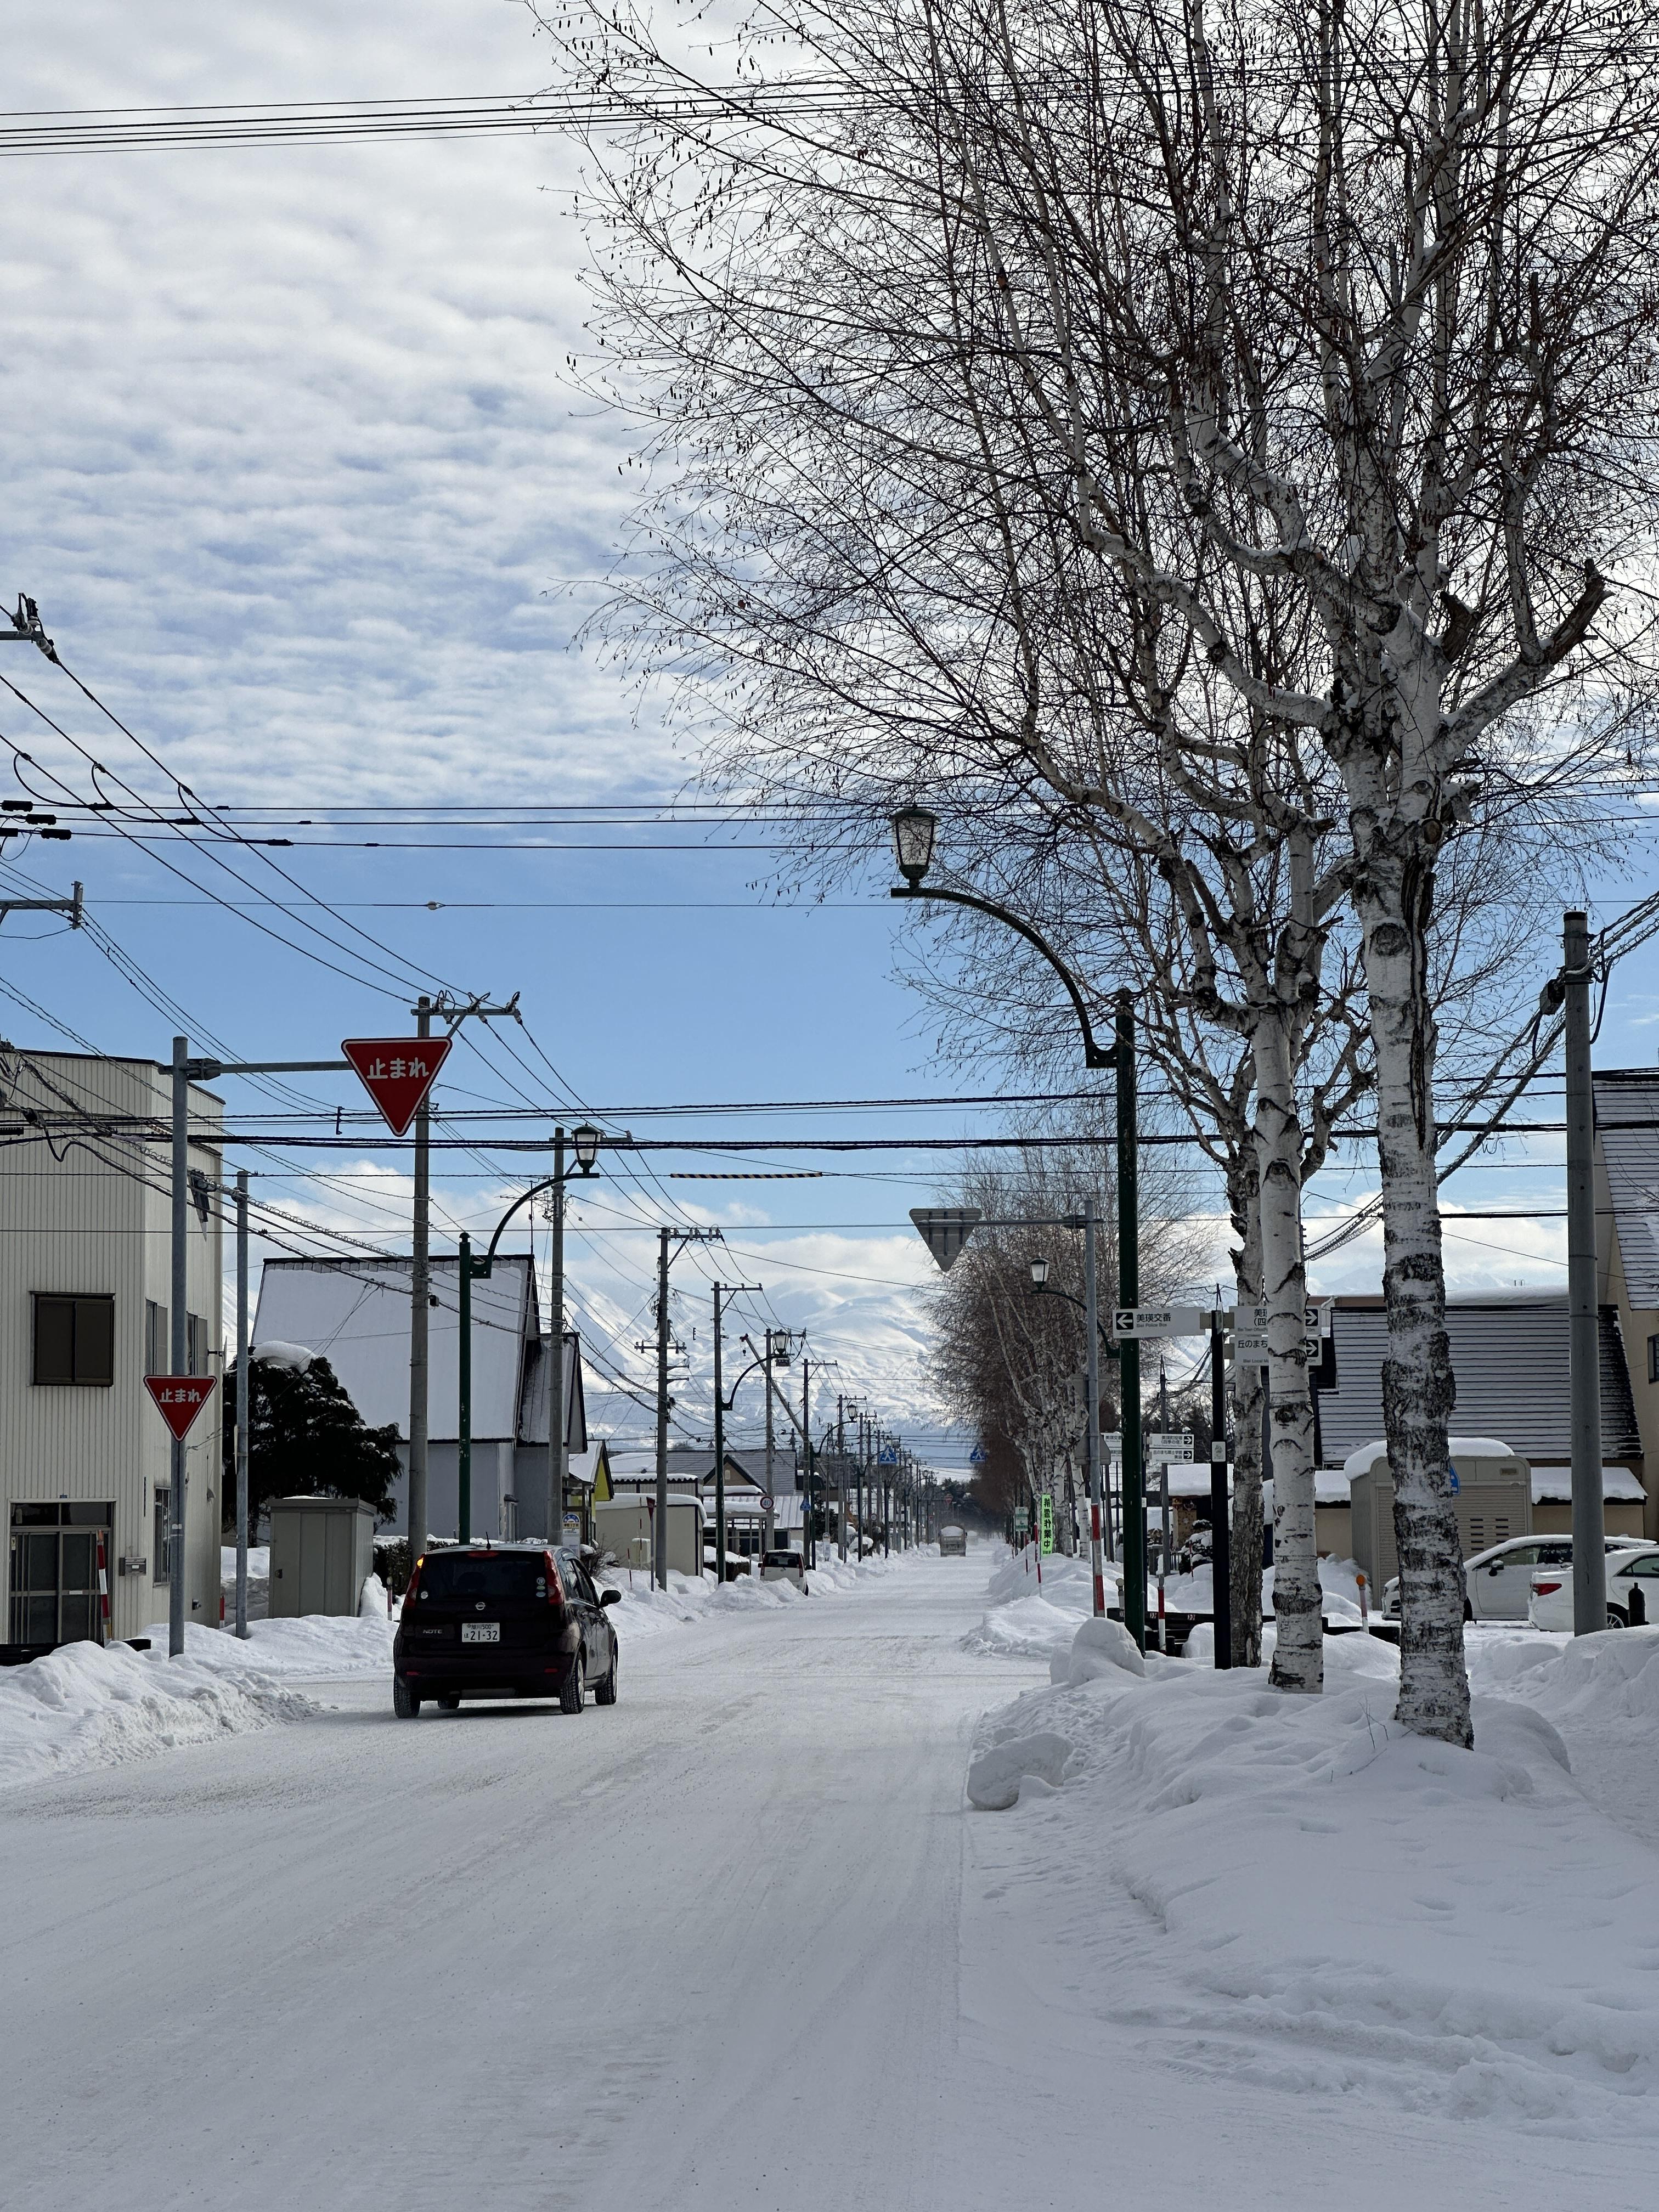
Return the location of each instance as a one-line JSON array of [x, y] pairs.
[[900, 1895]]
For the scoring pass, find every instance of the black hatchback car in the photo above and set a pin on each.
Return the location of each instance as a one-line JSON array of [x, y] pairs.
[[503, 1620]]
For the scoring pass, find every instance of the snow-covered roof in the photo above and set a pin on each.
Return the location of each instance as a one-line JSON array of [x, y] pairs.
[[1555, 1484], [1361, 1461], [1510, 1368]]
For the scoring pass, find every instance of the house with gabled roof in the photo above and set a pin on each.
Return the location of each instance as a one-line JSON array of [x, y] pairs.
[[354, 1313]]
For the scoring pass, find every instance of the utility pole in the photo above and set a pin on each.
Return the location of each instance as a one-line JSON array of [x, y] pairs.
[[558, 1461], [661, 1547], [420, 1310], [840, 1475], [241, 1401], [177, 1346], [766, 1534], [809, 1558], [1590, 1563]]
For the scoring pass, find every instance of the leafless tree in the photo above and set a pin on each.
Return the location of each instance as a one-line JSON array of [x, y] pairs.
[[1306, 351]]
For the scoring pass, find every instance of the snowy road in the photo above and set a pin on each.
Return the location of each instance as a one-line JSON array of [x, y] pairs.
[[733, 1943]]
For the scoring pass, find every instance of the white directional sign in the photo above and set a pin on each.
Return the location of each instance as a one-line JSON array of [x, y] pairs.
[[1159, 1320], [1250, 1327], [1170, 1450]]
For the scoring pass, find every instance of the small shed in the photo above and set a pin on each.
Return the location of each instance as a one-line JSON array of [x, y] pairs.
[[623, 1528], [322, 1553], [1492, 1493]]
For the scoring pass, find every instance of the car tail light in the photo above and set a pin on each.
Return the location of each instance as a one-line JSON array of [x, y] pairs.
[[554, 1590], [1544, 1589], [413, 1582]]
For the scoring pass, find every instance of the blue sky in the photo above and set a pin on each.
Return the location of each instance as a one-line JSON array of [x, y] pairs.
[[293, 469]]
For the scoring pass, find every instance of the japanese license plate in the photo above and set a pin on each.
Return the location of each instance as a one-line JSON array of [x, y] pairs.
[[481, 1631]]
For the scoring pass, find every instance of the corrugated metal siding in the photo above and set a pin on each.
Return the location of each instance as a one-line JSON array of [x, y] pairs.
[[1627, 1131], [81, 1224], [1509, 1358]]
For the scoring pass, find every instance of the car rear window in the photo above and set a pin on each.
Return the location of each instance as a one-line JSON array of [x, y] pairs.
[[455, 1576]]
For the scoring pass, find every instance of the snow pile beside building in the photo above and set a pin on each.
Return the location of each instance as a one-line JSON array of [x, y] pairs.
[[1339, 1908], [87, 1705]]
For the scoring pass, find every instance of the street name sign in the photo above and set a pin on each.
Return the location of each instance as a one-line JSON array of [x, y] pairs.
[[396, 1073], [1160, 1321], [180, 1398], [946, 1229]]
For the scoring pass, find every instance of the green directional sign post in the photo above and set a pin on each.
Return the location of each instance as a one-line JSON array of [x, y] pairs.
[[1046, 1525]]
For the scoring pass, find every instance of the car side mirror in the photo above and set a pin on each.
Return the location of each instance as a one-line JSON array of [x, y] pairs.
[[1495, 1568], [610, 1597]]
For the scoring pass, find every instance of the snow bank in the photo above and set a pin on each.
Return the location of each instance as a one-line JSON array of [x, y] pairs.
[[1340, 1907], [87, 1705]]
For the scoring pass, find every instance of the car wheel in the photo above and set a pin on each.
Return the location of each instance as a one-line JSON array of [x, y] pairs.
[[448, 1705], [1615, 1619], [406, 1707], [605, 1693], [1468, 1612], [573, 1695]]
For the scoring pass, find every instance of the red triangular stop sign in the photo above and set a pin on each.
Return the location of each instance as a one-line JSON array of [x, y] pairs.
[[181, 1397], [396, 1073]]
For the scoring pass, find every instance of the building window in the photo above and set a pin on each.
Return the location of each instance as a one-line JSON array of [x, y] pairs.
[[1653, 1359], [74, 1339], [155, 1338], [159, 1550], [196, 1344]]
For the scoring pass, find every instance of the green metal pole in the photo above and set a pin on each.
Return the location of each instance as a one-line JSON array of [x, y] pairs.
[[1131, 1481], [464, 1529]]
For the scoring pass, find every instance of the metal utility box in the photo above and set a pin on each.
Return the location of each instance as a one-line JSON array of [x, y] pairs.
[[622, 1527], [322, 1553], [1493, 1496]]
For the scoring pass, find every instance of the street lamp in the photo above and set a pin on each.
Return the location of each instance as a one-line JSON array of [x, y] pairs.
[[587, 1140], [1039, 1275], [914, 829]]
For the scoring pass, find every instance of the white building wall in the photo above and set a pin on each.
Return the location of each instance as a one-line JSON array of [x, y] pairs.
[[78, 1223]]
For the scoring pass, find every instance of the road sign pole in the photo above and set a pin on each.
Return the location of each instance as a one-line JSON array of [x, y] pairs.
[[1221, 1583], [720, 1451], [179, 1344], [1091, 1412], [420, 1313], [464, 1450], [1131, 1487], [241, 1401]]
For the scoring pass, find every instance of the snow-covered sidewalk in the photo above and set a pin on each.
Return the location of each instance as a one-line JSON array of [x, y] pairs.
[[1296, 1894]]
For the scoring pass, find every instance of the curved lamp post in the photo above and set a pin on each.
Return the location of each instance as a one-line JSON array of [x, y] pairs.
[[915, 834], [585, 1141]]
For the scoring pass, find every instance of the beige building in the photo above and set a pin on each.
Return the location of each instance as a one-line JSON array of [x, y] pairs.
[[85, 1284]]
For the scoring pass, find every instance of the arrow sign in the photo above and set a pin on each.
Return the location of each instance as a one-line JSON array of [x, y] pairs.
[[946, 1228], [1159, 1320], [396, 1073], [181, 1398]]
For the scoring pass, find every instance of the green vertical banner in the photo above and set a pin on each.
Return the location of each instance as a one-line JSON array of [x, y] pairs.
[[1046, 1523]]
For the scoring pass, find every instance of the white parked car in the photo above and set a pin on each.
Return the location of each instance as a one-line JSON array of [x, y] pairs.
[[1633, 1589], [785, 1567], [1497, 1582]]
